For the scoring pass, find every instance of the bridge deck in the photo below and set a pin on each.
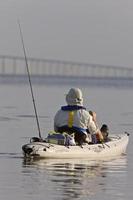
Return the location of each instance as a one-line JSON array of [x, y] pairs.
[[13, 65]]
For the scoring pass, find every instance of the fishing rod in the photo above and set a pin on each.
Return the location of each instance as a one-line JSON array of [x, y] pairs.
[[28, 72]]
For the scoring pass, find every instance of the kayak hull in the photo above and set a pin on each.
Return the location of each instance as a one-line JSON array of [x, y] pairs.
[[116, 146]]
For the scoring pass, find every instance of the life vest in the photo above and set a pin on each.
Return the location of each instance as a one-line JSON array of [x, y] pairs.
[[70, 119], [72, 108], [69, 126]]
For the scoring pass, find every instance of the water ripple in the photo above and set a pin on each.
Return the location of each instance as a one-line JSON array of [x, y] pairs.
[[10, 155], [3, 119], [78, 178]]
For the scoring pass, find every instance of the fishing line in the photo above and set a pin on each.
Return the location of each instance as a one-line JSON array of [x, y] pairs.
[[28, 72]]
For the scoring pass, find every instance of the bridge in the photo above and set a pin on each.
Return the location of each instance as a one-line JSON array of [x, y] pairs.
[[15, 66]]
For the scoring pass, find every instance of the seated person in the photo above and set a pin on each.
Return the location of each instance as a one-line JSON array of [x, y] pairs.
[[105, 132], [74, 118]]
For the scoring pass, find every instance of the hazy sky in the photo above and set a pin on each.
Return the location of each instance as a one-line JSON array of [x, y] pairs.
[[92, 31]]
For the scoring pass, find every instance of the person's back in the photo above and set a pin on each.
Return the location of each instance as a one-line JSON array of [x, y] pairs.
[[74, 118]]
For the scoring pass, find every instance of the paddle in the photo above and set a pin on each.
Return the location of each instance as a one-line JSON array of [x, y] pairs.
[[28, 72]]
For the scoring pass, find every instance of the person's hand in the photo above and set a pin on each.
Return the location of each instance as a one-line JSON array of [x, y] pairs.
[[100, 136], [93, 114]]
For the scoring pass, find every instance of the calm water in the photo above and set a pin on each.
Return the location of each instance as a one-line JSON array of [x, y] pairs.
[[62, 179]]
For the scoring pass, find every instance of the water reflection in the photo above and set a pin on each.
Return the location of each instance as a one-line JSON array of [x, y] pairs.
[[6, 119], [72, 179]]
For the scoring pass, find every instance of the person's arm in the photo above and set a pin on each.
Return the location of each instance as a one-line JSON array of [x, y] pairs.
[[93, 129], [93, 126], [93, 114]]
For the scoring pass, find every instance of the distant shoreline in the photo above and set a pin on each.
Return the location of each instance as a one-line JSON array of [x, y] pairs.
[[90, 81]]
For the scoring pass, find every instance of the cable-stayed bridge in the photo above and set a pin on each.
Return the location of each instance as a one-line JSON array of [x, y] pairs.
[[15, 66]]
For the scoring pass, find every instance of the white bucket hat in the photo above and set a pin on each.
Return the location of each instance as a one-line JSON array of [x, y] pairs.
[[74, 97]]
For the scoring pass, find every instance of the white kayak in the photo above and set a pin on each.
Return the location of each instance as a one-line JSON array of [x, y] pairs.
[[116, 146]]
